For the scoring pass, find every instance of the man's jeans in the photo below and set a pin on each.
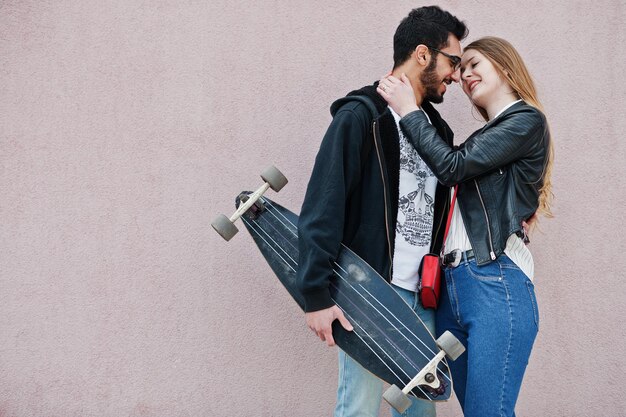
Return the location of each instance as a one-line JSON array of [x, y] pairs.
[[360, 393], [492, 310]]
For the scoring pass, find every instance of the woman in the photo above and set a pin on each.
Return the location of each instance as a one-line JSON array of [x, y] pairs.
[[503, 176]]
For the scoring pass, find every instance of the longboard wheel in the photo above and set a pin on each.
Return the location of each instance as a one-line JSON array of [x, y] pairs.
[[397, 399], [451, 345], [274, 178], [224, 227]]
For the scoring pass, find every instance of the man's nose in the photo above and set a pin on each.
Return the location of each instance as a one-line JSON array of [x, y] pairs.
[[456, 76]]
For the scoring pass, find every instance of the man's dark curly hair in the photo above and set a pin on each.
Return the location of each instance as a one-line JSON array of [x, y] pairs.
[[428, 25]]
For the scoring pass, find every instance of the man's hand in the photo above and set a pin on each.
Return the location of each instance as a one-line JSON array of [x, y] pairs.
[[320, 322]]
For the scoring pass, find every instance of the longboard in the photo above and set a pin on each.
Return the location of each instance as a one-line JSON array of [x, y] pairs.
[[388, 339]]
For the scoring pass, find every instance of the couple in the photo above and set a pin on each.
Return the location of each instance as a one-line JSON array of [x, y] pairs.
[[383, 185]]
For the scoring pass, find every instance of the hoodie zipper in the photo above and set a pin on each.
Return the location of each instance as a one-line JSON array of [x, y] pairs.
[[382, 174], [492, 253]]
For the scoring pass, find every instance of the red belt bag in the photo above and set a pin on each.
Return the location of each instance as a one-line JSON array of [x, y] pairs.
[[430, 269], [430, 280]]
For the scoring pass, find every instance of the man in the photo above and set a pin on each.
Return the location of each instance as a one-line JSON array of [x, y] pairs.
[[370, 190]]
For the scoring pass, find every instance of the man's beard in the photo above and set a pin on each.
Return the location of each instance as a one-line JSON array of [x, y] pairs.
[[430, 81]]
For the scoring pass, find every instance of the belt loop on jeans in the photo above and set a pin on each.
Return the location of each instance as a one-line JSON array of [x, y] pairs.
[[454, 258]]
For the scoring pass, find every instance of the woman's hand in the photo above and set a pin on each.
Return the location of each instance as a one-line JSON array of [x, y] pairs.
[[398, 93]]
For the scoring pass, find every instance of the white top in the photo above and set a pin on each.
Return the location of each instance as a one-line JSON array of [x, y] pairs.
[[515, 248], [416, 207]]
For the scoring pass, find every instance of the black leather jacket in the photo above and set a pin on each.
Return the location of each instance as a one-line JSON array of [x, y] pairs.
[[499, 170]]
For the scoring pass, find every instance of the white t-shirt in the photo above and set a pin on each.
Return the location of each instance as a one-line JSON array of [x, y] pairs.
[[416, 208]]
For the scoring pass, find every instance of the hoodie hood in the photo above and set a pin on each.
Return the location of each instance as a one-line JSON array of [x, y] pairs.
[[380, 103], [369, 91]]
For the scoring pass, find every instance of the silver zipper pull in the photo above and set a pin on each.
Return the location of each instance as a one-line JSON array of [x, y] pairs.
[[493, 256]]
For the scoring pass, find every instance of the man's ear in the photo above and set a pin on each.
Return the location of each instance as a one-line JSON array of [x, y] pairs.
[[422, 55]]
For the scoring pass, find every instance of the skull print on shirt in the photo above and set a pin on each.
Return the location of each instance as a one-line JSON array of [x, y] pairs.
[[417, 206]]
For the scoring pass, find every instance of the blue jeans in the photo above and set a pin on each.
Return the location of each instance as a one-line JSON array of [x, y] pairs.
[[359, 393], [492, 310]]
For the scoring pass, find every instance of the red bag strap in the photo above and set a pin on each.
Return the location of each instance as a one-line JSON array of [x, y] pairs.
[[445, 235]]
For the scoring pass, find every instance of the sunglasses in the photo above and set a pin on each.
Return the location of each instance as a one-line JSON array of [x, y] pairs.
[[454, 60]]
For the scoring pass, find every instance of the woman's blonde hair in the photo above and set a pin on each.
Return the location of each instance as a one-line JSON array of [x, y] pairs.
[[510, 66]]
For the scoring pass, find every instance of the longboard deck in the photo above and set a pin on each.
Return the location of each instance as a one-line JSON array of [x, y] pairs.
[[388, 339]]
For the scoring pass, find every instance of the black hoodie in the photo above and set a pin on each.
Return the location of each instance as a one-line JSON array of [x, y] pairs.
[[354, 201]]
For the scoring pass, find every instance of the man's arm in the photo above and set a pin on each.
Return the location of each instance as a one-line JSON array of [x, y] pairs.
[[335, 175]]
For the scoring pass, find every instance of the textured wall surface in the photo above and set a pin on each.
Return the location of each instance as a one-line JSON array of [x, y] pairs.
[[127, 125]]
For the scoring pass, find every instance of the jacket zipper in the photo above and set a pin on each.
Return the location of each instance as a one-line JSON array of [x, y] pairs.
[[382, 174], [446, 204], [492, 253]]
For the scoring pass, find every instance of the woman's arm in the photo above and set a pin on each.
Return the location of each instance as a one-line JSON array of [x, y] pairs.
[[506, 140]]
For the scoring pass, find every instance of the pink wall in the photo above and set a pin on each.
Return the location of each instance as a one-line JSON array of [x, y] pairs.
[[126, 126]]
